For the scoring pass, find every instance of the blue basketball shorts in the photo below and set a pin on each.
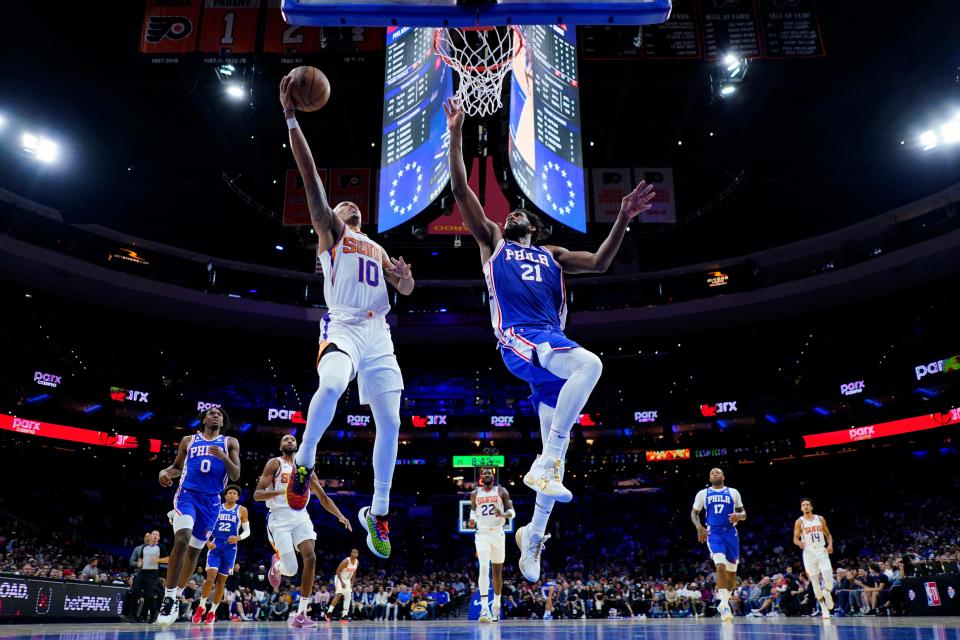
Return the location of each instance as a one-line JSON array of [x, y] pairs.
[[202, 508], [726, 542], [519, 348], [222, 558]]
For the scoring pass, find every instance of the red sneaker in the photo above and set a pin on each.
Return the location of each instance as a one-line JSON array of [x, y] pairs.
[[198, 614], [211, 617]]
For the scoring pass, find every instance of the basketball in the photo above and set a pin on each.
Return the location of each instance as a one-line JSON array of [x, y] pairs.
[[310, 90]]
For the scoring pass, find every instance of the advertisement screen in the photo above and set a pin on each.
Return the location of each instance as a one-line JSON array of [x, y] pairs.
[[73, 434], [25, 598], [882, 430], [414, 158], [546, 150]]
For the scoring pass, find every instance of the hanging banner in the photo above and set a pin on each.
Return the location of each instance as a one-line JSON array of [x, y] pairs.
[[609, 187], [495, 203], [665, 203], [229, 27], [287, 39], [352, 185], [170, 27]]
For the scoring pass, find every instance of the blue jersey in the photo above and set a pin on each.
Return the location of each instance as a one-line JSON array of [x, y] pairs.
[[719, 505], [526, 288], [202, 472], [227, 524]]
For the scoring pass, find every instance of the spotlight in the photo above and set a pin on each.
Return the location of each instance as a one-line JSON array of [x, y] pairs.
[[39, 147], [235, 91], [928, 140], [950, 132], [226, 70], [3, 121], [726, 90], [278, 247]]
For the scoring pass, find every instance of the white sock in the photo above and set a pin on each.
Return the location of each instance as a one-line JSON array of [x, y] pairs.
[[179, 593], [496, 601], [386, 416], [170, 593], [544, 504], [330, 609], [335, 372], [203, 602], [581, 369], [484, 602], [724, 596], [302, 607]]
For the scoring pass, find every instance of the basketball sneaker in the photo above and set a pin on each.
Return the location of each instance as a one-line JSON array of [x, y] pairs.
[[168, 612], [828, 600], [726, 613], [546, 480], [548, 615], [495, 614], [198, 614], [484, 615], [378, 532], [298, 489], [211, 617], [273, 576], [824, 611], [531, 546], [301, 621]]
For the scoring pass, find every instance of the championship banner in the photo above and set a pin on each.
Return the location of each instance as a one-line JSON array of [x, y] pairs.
[[609, 187], [287, 39], [495, 204], [295, 208], [229, 27], [665, 202], [351, 185], [170, 27]]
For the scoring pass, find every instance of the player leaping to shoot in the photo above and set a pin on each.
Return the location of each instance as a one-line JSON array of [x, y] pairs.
[[724, 510], [355, 338], [528, 311]]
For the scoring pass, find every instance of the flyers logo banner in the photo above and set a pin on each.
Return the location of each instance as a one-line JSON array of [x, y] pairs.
[[169, 27]]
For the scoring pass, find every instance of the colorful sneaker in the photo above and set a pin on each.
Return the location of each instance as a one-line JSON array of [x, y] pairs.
[[273, 576], [301, 621], [298, 488], [211, 617], [378, 533], [530, 550], [484, 615], [198, 614], [168, 612], [546, 480]]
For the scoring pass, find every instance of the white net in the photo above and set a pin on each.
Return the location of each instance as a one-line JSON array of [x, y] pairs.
[[481, 56]]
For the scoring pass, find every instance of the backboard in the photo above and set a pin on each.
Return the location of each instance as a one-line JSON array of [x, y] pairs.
[[451, 13]]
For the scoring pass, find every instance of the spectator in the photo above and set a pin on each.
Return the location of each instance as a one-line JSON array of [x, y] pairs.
[[90, 572], [380, 604]]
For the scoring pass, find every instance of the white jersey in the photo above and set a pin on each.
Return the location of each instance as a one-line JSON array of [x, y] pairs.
[[489, 502], [812, 534], [353, 275], [281, 478], [346, 576]]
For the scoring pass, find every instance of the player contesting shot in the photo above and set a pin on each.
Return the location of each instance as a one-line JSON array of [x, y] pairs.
[[355, 338], [528, 311]]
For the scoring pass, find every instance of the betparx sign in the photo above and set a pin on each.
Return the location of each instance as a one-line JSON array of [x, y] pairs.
[[419, 422], [938, 366], [501, 421], [358, 421], [46, 379], [206, 406], [119, 394], [295, 417], [852, 388], [645, 416], [710, 410]]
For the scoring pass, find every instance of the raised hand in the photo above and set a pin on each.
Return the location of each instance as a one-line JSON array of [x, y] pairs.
[[454, 113], [286, 99], [637, 201], [400, 268]]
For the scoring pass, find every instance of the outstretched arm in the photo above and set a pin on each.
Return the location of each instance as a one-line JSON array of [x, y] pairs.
[[484, 231], [633, 204], [325, 222]]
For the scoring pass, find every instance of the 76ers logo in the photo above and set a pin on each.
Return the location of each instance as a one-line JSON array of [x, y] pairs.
[[172, 27]]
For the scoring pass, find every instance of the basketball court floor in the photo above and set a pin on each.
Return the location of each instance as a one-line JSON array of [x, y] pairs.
[[705, 629]]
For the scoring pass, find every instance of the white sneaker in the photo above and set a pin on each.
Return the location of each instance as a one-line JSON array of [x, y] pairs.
[[547, 615], [825, 613], [546, 480], [169, 612], [530, 550], [495, 614], [828, 600], [485, 614], [726, 613], [754, 614]]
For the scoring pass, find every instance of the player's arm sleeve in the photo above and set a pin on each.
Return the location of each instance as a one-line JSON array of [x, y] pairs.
[[245, 529], [700, 500]]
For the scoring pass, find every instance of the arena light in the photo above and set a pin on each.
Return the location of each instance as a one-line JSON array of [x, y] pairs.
[[91, 408], [3, 121], [950, 132], [41, 148], [38, 398], [146, 416], [727, 90], [928, 140], [235, 91]]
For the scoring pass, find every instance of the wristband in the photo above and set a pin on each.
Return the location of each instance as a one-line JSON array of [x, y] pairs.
[[509, 514], [292, 123]]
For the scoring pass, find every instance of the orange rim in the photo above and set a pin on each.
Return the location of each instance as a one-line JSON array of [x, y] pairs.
[[450, 62]]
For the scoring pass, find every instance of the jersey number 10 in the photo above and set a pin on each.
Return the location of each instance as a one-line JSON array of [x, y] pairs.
[[368, 271]]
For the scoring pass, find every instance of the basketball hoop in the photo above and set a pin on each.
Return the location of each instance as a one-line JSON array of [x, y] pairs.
[[481, 56]]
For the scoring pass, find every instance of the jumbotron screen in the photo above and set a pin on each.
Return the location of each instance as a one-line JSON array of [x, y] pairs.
[[546, 150], [415, 144]]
